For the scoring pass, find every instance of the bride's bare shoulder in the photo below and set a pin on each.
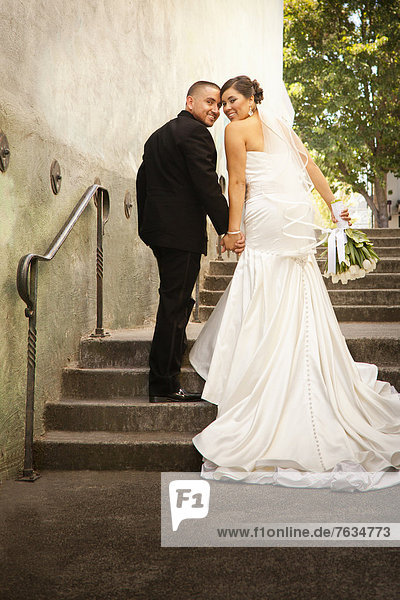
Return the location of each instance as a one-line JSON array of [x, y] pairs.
[[232, 126], [235, 130], [236, 125]]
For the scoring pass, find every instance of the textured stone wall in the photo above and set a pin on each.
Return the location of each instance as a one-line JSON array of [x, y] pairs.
[[86, 83]]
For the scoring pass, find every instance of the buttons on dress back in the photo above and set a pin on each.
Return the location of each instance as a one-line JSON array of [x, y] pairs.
[[307, 362]]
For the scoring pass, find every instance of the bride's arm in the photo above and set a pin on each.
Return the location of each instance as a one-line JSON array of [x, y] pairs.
[[318, 179], [235, 149]]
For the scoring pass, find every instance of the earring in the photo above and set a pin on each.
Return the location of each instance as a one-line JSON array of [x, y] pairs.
[[250, 111]]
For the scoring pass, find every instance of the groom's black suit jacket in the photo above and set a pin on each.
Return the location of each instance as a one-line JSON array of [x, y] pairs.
[[177, 186]]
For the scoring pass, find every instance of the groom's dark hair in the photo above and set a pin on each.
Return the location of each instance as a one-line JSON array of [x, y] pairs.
[[199, 84]]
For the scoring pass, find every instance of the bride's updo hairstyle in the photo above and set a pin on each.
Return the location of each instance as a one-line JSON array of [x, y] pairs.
[[245, 86]]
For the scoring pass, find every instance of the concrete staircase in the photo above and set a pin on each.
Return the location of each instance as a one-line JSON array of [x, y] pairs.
[[373, 298], [103, 419]]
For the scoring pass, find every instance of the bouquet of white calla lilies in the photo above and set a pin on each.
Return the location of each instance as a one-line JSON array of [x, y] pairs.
[[350, 252]]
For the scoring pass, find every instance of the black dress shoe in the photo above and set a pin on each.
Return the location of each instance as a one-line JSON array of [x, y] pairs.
[[179, 396]]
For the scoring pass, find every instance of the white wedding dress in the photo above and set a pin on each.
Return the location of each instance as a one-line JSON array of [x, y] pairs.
[[294, 408]]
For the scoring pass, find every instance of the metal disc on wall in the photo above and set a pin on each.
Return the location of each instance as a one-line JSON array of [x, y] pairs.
[[55, 177], [128, 205], [4, 152]]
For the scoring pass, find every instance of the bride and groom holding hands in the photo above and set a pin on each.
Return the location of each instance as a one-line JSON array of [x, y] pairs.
[[294, 408]]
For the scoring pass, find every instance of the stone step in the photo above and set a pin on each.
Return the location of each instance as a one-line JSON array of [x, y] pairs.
[[385, 241], [101, 450], [222, 267], [126, 414], [123, 349], [217, 282], [343, 313], [373, 280], [210, 298], [381, 351], [146, 451], [338, 296], [116, 382], [367, 313], [382, 251], [120, 414], [377, 281], [119, 351], [226, 268], [140, 416], [101, 353], [388, 251], [382, 232], [390, 374], [124, 432], [365, 297]]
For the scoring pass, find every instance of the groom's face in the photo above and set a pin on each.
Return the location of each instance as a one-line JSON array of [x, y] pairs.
[[204, 105]]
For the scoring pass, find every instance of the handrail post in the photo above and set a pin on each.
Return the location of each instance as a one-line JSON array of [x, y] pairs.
[[99, 331], [28, 474], [219, 248], [196, 318]]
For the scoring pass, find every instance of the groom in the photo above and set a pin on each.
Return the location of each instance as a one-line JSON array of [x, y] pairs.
[[176, 187]]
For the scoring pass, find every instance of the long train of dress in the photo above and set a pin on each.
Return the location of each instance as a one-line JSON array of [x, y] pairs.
[[294, 408]]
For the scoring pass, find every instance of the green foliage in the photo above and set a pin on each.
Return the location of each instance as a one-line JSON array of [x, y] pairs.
[[342, 69]]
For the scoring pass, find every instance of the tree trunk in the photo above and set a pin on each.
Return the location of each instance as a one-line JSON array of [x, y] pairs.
[[370, 202], [380, 203]]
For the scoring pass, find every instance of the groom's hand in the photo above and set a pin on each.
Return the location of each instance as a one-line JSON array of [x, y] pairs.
[[233, 242]]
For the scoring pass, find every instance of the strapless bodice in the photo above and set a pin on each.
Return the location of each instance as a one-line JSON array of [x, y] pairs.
[[266, 172], [277, 214]]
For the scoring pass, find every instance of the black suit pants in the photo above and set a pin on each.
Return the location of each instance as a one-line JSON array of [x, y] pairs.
[[178, 271]]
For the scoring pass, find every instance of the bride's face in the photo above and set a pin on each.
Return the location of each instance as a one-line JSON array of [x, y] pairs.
[[235, 105]]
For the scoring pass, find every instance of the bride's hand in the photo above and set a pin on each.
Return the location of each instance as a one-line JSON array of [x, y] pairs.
[[240, 244], [229, 241], [343, 215]]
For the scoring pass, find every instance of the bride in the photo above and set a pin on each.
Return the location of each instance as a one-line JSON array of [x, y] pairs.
[[294, 409]]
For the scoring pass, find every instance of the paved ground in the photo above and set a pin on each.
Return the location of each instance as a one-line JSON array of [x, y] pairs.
[[86, 535], [89, 535]]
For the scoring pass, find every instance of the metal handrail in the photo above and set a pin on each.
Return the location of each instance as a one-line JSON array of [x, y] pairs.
[[27, 281]]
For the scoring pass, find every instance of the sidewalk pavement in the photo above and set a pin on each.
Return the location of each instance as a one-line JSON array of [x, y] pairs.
[[85, 535]]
